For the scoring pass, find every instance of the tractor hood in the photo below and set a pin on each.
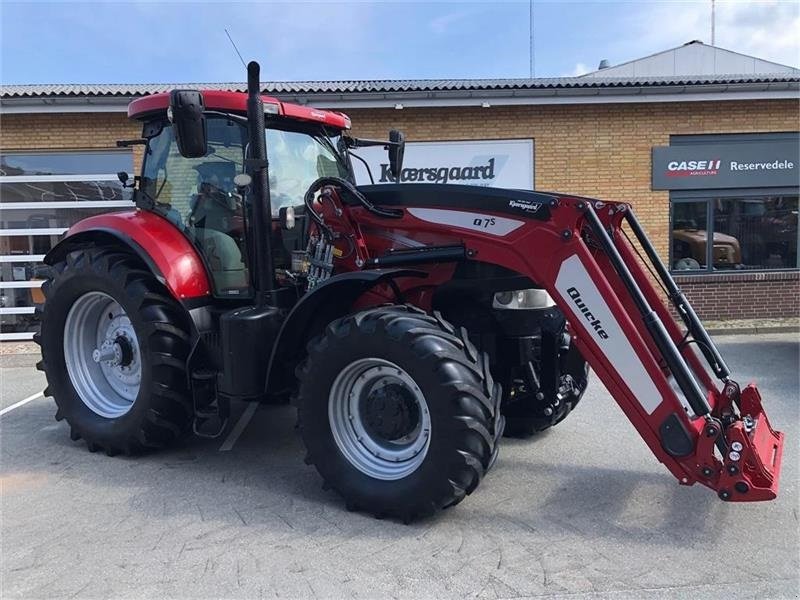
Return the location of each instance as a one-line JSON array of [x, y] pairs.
[[520, 203]]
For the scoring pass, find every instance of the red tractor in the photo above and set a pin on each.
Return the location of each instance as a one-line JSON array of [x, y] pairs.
[[409, 323]]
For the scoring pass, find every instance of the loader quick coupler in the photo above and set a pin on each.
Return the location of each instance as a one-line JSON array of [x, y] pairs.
[[747, 461]]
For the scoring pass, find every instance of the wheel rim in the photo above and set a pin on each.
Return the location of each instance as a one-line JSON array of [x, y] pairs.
[[102, 355], [379, 419]]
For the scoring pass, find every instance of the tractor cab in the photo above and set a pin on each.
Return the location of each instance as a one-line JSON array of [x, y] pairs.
[[199, 194]]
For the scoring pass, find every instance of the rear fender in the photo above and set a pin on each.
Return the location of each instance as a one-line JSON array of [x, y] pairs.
[[157, 242], [309, 317]]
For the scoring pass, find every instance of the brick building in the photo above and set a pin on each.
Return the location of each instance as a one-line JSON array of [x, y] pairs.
[[702, 141]]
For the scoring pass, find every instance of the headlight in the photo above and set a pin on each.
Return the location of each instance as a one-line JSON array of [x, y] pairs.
[[522, 299]]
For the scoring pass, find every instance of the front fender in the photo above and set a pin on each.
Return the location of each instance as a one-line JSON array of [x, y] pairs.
[[154, 239], [310, 316]]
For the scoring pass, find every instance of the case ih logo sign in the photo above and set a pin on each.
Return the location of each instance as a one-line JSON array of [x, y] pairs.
[[691, 168], [746, 164]]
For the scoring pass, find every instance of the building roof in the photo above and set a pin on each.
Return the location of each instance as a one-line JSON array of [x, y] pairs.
[[693, 59], [398, 85], [656, 78]]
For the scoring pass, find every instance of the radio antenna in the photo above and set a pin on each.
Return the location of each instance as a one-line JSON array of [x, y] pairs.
[[713, 37], [531, 49], [235, 48]]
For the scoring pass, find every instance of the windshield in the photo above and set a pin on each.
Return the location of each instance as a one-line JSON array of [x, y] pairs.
[[296, 160], [199, 196]]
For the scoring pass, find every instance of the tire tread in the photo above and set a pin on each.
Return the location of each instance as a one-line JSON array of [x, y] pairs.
[[431, 338], [170, 410]]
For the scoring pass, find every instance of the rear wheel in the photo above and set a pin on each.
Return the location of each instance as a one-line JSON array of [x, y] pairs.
[[114, 348], [398, 412]]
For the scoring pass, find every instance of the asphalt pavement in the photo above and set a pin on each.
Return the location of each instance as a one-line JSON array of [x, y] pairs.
[[582, 511]]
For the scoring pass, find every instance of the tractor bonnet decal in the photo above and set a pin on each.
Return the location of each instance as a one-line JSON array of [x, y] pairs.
[[467, 220]]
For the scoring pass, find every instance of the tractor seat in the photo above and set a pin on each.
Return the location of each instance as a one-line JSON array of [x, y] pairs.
[[224, 259]]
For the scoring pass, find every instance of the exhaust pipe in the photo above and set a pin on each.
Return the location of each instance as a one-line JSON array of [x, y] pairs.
[[257, 165]]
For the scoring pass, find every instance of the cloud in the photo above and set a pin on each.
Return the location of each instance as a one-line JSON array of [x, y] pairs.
[[580, 69], [765, 29], [768, 30]]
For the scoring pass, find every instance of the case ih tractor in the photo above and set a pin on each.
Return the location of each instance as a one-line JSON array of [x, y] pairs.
[[409, 323]]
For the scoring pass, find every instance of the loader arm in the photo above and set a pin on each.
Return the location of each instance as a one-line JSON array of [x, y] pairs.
[[687, 409], [703, 431]]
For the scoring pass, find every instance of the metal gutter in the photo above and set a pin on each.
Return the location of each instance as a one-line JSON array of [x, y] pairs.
[[451, 98]]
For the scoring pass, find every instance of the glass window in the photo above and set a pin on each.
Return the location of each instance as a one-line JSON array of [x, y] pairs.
[[36, 243], [21, 271], [756, 233], [64, 191], [177, 183], [48, 218], [296, 160], [198, 195], [65, 163], [748, 233], [42, 194], [689, 235]]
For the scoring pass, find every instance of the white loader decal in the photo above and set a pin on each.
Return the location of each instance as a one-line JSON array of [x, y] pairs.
[[467, 220], [590, 309]]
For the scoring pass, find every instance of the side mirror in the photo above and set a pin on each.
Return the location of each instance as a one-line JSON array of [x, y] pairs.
[[123, 178], [397, 146], [186, 115]]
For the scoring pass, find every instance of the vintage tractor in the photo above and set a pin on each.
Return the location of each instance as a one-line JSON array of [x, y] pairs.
[[408, 322]]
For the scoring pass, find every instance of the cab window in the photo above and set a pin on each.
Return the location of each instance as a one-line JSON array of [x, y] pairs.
[[199, 197], [296, 160]]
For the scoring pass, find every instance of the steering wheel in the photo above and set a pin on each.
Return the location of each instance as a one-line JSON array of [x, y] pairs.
[[223, 210], [214, 199], [223, 199]]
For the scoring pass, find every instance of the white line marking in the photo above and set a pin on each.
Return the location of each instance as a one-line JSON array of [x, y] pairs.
[[8, 409], [240, 425]]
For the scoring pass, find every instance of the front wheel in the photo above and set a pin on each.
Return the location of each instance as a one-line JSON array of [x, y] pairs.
[[398, 412]]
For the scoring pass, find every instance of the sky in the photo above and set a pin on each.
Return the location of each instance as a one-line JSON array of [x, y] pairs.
[[176, 42]]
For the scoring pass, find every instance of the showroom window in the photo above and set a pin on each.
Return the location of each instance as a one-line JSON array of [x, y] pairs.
[[730, 231], [41, 195]]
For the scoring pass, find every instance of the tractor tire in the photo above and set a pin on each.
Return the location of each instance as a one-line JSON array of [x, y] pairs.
[[398, 412], [114, 347], [526, 419]]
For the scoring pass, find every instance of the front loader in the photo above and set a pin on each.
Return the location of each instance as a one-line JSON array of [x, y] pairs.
[[410, 324]]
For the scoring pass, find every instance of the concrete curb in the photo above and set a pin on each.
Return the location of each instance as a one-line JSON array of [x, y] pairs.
[[14, 348], [755, 330]]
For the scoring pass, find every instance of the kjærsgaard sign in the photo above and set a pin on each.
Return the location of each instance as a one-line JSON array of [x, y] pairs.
[[741, 165], [494, 163]]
